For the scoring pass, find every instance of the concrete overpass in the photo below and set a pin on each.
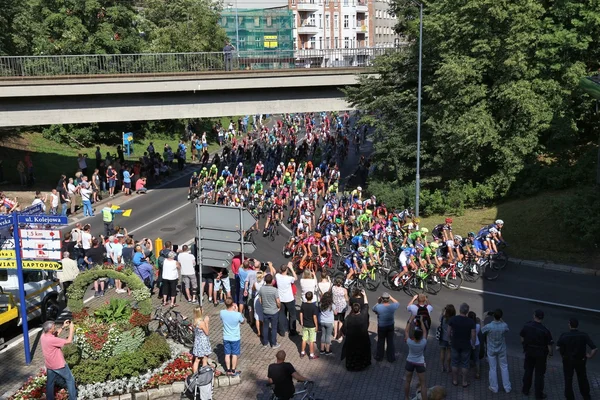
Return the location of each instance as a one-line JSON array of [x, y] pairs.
[[132, 98], [41, 90]]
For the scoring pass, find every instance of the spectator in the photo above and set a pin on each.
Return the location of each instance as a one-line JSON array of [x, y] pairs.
[[188, 273], [256, 305], [537, 344], [72, 191], [170, 276], [221, 280], [40, 199], [268, 297], [127, 181], [310, 324], [111, 179], [385, 308], [357, 345], [325, 284], [96, 185], [202, 348], [495, 333], [416, 338], [308, 283], [138, 255], [98, 155], [449, 312], [228, 55], [54, 197], [54, 358], [64, 202], [232, 320], [208, 279], [419, 305], [68, 273], [572, 346], [475, 352], [145, 272], [282, 375], [462, 341], [140, 186], [128, 250], [288, 301], [340, 305], [22, 173], [326, 319], [86, 199], [82, 163]]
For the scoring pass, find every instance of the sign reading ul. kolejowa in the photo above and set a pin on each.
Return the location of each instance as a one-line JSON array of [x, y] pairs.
[[43, 220]]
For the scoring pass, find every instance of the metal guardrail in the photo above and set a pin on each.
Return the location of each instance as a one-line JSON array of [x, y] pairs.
[[66, 66]]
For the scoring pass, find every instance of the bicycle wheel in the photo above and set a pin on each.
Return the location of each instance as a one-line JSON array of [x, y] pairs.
[[392, 281], [341, 265], [499, 260], [468, 272], [159, 326], [488, 272], [434, 283], [372, 281], [185, 335], [416, 285], [296, 261], [272, 234], [454, 280]]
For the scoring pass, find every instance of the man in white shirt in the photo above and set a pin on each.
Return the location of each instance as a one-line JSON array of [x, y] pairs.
[[72, 191], [86, 199], [114, 250], [188, 273], [286, 296], [40, 199]]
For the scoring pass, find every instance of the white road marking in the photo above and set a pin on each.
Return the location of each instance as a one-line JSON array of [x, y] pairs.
[[550, 303], [158, 218]]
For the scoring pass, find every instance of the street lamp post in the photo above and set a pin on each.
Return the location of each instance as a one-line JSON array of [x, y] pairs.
[[418, 176], [237, 31]]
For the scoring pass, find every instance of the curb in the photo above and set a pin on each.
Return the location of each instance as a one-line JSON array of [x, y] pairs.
[[555, 267], [172, 389]]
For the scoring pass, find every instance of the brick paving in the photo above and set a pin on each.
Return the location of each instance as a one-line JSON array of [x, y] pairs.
[[382, 380]]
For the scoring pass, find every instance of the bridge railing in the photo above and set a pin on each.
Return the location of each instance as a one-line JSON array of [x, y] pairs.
[[177, 63]]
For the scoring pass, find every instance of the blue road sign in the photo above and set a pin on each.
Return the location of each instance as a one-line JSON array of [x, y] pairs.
[[43, 219], [5, 221], [35, 209]]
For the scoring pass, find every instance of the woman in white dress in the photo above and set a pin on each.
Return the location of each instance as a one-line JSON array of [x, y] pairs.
[[258, 310]]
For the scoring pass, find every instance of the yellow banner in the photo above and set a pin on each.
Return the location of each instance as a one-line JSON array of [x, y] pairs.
[[32, 264], [7, 254], [270, 42]]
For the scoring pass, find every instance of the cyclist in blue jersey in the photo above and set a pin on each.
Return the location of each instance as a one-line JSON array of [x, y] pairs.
[[356, 263]]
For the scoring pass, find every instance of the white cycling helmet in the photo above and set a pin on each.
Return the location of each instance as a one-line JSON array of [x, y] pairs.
[[365, 233], [332, 233], [493, 230], [499, 222], [240, 164], [458, 237], [226, 167], [359, 189], [359, 202], [362, 249], [307, 213], [389, 230]]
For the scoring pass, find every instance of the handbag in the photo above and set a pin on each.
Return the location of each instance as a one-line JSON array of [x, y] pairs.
[[440, 330]]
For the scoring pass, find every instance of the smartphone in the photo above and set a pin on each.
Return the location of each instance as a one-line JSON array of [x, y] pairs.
[[175, 247]]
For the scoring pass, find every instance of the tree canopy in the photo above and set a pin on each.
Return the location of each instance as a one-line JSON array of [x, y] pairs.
[[47, 27], [500, 93]]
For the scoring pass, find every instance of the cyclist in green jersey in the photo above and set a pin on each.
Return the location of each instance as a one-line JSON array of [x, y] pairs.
[[214, 171]]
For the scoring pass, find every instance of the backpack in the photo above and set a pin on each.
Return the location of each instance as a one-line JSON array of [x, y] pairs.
[[423, 312], [199, 386]]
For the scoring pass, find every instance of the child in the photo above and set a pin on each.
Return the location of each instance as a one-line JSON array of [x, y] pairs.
[[308, 319]]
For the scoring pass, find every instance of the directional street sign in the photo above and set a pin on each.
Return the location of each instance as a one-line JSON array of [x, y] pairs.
[[7, 253], [225, 218], [35, 209], [32, 264], [43, 220], [42, 244], [5, 221], [219, 233], [7, 243]]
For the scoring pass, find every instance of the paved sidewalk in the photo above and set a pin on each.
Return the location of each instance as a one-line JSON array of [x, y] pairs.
[[381, 380]]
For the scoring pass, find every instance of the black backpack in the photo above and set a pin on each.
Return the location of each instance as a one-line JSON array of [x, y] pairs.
[[423, 313]]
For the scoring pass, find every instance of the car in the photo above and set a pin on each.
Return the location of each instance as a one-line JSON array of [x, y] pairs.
[[42, 291]]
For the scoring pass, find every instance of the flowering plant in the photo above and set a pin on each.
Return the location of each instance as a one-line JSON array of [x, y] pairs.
[[35, 388], [176, 370]]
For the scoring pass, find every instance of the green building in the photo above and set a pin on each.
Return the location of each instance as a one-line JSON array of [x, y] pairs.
[[265, 36]]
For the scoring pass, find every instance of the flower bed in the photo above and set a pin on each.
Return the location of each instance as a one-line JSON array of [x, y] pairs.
[[176, 371], [35, 389]]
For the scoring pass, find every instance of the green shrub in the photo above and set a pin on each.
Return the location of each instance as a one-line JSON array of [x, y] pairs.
[[72, 354], [578, 215], [153, 352], [129, 341], [115, 311]]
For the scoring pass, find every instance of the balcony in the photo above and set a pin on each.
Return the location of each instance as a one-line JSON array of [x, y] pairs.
[[362, 28], [362, 6], [308, 29], [308, 6]]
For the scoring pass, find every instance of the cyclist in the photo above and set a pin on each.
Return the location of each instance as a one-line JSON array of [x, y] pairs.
[[214, 171], [204, 174], [193, 184], [356, 194], [271, 218], [454, 249], [361, 240], [443, 232], [239, 172], [356, 263], [407, 260], [498, 224], [281, 375], [373, 251]]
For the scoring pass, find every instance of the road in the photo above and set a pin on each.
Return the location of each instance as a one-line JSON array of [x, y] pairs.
[[519, 290]]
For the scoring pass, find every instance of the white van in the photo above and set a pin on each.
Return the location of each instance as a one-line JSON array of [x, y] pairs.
[[41, 295]]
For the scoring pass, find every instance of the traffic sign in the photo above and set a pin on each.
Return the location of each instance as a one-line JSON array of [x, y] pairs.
[[43, 244], [7, 253], [5, 221], [225, 218], [43, 220], [34, 209], [235, 247], [7, 243], [214, 234], [32, 264]]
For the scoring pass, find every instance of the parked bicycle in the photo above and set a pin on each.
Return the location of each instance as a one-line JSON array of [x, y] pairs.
[[172, 324]]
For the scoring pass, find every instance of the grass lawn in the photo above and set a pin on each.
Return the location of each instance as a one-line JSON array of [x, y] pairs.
[[529, 229], [51, 159]]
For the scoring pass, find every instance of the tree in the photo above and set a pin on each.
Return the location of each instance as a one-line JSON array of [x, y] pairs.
[[77, 27], [183, 26], [499, 88], [9, 10]]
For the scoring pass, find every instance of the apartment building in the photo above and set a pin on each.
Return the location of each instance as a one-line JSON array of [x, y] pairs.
[[384, 24], [333, 24]]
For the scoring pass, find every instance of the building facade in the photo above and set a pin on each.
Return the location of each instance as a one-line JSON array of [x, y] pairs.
[[332, 24], [385, 23]]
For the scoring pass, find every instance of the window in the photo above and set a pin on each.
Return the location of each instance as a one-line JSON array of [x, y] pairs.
[[326, 21], [269, 21], [295, 44], [346, 2], [336, 21], [320, 20], [256, 21], [346, 21], [313, 42], [335, 42], [257, 42], [311, 20], [346, 42]]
